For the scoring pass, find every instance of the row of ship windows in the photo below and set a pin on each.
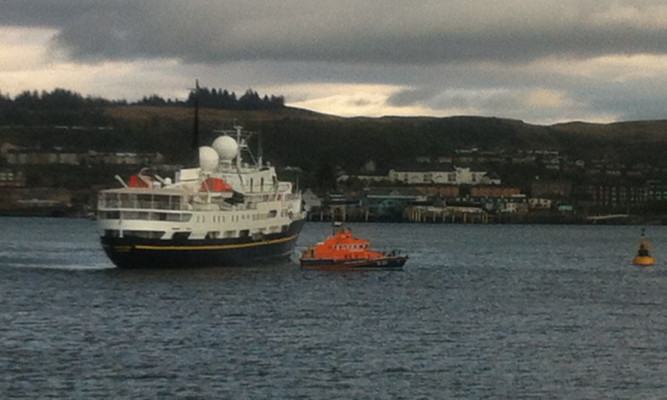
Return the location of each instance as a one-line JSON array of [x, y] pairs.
[[237, 218], [146, 216], [125, 200], [181, 217], [168, 202], [115, 233]]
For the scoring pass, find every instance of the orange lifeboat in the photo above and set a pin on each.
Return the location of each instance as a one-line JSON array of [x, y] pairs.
[[343, 250], [215, 185], [139, 181]]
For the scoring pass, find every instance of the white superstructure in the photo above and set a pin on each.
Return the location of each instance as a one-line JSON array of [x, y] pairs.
[[224, 205]]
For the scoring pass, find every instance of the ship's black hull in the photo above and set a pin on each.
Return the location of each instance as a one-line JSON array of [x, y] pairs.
[[133, 252]]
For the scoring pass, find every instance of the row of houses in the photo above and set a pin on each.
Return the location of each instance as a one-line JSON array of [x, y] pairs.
[[11, 179], [17, 156], [400, 203], [35, 201], [623, 195], [551, 160], [547, 199], [445, 174]]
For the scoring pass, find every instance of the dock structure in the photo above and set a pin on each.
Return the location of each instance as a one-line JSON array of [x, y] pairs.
[[451, 214], [605, 218]]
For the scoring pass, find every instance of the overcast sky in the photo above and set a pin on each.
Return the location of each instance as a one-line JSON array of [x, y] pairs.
[[539, 61]]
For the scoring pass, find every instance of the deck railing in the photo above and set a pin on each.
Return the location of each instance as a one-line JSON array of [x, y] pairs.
[[141, 201]]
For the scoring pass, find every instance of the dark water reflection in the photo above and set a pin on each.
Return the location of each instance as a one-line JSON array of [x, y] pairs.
[[478, 312]]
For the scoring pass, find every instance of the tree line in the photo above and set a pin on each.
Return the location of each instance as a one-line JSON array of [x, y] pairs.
[[220, 99], [208, 98], [56, 99], [62, 106], [58, 107]]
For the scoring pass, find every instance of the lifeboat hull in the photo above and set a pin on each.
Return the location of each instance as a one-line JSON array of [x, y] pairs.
[[643, 261], [396, 262]]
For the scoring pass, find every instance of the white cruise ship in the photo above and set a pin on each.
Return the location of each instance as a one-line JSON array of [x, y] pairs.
[[227, 212]]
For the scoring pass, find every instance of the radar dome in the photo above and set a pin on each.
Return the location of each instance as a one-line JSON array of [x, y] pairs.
[[226, 147], [208, 159]]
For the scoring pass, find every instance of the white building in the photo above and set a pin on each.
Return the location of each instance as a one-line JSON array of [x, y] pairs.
[[453, 176], [540, 203]]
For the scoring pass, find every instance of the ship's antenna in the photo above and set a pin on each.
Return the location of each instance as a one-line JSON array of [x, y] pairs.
[[195, 130], [241, 144], [260, 150]]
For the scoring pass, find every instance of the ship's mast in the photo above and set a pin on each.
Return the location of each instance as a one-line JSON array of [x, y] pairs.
[[241, 143], [195, 128], [260, 150]]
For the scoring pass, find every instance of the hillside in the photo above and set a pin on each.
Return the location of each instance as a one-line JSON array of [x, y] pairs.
[[321, 145], [290, 130], [635, 132], [145, 113], [485, 132]]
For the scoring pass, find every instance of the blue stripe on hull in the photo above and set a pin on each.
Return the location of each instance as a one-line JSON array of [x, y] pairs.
[[132, 252]]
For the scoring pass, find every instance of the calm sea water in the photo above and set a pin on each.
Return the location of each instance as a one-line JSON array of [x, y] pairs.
[[479, 311]]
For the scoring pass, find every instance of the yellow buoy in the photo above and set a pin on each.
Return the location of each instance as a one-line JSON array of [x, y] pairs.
[[643, 257]]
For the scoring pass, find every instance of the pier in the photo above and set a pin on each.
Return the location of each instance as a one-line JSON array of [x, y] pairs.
[[451, 214], [607, 218]]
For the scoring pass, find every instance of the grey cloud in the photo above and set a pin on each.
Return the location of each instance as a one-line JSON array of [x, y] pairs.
[[345, 31], [643, 100], [411, 96], [36, 13], [454, 54]]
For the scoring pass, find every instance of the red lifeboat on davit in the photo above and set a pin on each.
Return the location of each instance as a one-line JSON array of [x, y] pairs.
[[140, 181], [215, 185], [343, 250]]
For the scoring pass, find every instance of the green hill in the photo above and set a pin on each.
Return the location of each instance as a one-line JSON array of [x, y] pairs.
[[313, 141], [288, 132]]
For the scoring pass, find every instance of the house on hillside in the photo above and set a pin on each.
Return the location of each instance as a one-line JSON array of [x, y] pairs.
[[93, 157], [31, 156], [16, 155], [446, 174], [552, 189], [11, 179], [390, 203]]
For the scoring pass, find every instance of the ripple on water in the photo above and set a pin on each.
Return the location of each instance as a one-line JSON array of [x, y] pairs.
[[479, 311]]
